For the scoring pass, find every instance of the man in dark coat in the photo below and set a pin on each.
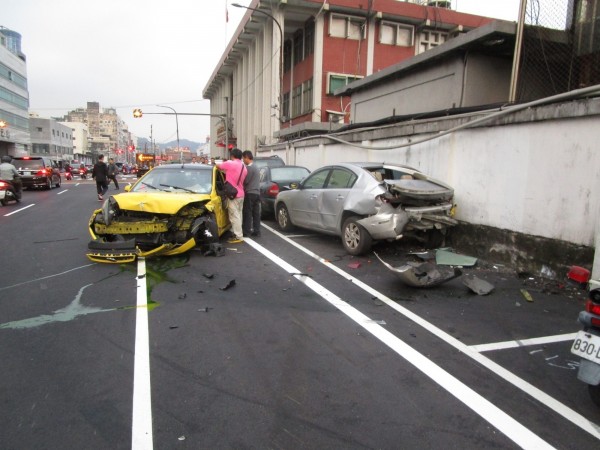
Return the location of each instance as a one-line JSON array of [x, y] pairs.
[[100, 174]]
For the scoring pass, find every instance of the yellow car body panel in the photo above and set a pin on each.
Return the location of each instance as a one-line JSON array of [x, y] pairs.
[[138, 219], [163, 202]]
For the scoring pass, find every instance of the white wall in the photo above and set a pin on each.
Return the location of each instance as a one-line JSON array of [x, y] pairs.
[[534, 174]]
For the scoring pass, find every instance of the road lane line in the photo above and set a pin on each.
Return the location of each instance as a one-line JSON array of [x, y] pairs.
[[545, 399], [523, 342], [62, 192], [19, 210], [141, 426], [512, 429]]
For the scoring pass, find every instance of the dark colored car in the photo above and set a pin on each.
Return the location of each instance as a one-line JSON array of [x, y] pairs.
[[268, 161], [274, 180], [38, 171]]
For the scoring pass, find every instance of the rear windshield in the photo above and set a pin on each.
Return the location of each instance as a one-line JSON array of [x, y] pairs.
[[271, 162], [28, 164]]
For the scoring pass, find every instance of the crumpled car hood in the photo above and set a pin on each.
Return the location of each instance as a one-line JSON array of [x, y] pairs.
[[157, 202]]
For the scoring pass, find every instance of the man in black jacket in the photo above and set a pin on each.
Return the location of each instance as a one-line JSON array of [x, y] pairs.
[[100, 174], [251, 209]]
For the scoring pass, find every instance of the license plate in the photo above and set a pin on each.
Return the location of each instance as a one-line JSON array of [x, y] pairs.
[[2, 194], [587, 346]]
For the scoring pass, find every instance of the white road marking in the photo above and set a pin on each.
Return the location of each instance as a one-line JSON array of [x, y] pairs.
[[488, 411], [19, 210], [141, 427], [62, 192], [558, 407], [523, 342]]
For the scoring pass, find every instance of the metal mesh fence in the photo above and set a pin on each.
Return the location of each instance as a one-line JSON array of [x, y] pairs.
[[561, 47]]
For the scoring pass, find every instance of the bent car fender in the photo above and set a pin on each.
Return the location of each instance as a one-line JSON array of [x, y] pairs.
[[387, 223]]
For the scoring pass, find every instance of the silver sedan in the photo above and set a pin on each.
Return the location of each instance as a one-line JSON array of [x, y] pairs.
[[366, 202]]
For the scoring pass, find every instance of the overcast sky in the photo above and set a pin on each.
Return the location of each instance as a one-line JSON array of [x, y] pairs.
[[130, 54]]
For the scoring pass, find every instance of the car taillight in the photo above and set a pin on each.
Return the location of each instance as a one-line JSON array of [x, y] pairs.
[[592, 307], [273, 190], [42, 173], [3, 185]]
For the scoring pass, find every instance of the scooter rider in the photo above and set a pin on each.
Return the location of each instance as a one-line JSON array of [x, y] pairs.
[[9, 173]]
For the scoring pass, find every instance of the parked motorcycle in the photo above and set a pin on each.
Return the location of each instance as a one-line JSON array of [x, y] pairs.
[[587, 345], [8, 193]]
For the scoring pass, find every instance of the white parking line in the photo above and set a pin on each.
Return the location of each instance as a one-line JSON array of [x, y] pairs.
[[566, 412], [523, 342], [515, 431], [19, 210], [141, 426]]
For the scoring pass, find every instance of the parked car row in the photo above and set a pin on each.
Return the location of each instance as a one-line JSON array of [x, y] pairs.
[[360, 202]]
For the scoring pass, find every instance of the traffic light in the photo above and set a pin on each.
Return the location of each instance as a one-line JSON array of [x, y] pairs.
[[137, 113], [131, 148]]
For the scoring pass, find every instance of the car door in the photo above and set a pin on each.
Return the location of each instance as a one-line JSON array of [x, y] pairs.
[[306, 206], [336, 190]]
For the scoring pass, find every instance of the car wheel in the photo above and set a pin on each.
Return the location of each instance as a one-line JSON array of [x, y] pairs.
[[283, 218], [355, 238], [4, 202], [48, 183], [58, 184]]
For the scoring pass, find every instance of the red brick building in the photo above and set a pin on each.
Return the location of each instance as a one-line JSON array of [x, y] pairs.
[[268, 97]]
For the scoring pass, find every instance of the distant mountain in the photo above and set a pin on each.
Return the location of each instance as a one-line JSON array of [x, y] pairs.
[[145, 143]]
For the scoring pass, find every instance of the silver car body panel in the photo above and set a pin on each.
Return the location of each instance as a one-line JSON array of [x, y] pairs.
[[377, 201]]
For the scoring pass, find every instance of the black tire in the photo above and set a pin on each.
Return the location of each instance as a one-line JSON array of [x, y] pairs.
[[283, 218], [48, 183], [58, 184], [595, 393], [356, 239], [4, 202]]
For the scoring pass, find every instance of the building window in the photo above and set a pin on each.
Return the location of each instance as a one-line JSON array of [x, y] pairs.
[[39, 129], [337, 81], [396, 34], [429, 39], [298, 47], [297, 101], [307, 91], [287, 56], [285, 108], [309, 38], [346, 27]]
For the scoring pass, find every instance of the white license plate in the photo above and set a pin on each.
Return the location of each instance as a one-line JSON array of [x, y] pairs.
[[587, 346], [2, 194]]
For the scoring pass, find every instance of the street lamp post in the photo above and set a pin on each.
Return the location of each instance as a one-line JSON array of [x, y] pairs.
[[177, 125], [280, 96]]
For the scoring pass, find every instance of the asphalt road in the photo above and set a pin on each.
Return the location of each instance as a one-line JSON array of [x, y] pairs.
[[285, 343]]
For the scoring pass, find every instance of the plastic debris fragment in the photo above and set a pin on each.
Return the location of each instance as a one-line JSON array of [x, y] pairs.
[[445, 256], [423, 274], [477, 285], [526, 295]]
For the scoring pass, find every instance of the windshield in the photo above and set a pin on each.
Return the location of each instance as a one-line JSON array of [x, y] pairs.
[[176, 180]]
